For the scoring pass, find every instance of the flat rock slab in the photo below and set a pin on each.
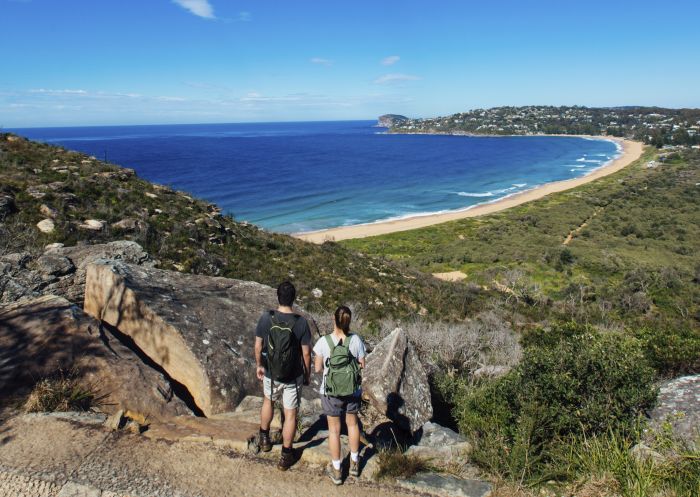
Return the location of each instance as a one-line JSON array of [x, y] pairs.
[[199, 329], [441, 444], [447, 486], [231, 433], [40, 336], [679, 403]]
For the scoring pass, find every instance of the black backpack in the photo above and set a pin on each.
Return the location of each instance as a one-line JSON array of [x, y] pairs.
[[283, 350]]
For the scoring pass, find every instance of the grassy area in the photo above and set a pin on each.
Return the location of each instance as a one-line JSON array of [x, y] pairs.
[[634, 259]]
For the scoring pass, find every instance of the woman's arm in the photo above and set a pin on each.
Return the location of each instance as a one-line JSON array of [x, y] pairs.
[[318, 363]]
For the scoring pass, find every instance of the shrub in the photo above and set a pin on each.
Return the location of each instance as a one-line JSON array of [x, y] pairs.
[[573, 380], [62, 391], [396, 464], [672, 351]]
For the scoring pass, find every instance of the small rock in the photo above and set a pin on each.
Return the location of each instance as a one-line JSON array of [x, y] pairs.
[[55, 265], [114, 422], [17, 260], [447, 485], [490, 372], [46, 226], [36, 192], [641, 452], [48, 211], [53, 246], [151, 195], [92, 224], [128, 224], [317, 293], [7, 205]]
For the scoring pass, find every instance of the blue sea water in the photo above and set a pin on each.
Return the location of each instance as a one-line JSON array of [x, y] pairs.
[[294, 177]]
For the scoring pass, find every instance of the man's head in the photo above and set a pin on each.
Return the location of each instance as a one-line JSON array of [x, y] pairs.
[[286, 293]]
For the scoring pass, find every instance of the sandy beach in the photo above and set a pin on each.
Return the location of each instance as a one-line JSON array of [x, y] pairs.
[[631, 151]]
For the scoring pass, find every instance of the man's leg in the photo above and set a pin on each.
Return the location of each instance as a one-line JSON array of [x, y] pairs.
[[266, 413], [289, 428]]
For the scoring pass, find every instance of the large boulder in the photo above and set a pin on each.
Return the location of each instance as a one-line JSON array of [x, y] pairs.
[[395, 382], [199, 329], [679, 404], [44, 335]]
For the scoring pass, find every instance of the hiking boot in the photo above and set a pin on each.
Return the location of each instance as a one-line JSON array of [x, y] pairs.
[[354, 467], [286, 461], [335, 475], [264, 442]]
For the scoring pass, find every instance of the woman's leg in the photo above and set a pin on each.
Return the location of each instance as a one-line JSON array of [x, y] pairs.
[[353, 431], [334, 436]]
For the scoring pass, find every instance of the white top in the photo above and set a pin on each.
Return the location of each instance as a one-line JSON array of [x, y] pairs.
[[357, 349]]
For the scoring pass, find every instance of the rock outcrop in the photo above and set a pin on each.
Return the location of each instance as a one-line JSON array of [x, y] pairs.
[[60, 270], [389, 120], [41, 336], [679, 404], [395, 382], [199, 329]]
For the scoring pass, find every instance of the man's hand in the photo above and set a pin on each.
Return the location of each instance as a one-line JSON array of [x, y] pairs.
[[260, 372]]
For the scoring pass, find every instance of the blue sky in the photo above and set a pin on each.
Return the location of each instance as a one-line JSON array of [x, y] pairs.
[[95, 62]]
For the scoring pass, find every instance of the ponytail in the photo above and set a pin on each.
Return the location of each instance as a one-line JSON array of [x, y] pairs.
[[343, 316]]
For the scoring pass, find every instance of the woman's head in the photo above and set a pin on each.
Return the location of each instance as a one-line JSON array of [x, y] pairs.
[[343, 316]]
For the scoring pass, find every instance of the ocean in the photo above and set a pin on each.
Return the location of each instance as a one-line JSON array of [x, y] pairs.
[[306, 176]]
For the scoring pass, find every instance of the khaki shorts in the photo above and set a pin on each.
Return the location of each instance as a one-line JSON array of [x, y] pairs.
[[290, 392]]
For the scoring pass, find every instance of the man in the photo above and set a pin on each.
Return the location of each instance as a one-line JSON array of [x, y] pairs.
[[283, 340]]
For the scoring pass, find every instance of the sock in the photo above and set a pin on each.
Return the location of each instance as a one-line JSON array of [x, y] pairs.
[[264, 432], [336, 464], [355, 456], [286, 450]]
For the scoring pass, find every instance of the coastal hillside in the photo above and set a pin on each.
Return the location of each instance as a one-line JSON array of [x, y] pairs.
[[52, 195], [618, 252], [651, 125]]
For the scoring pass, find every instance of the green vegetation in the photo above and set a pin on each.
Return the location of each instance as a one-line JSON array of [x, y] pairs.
[[652, 125], [190, 235], [632, 263], [394, 463]]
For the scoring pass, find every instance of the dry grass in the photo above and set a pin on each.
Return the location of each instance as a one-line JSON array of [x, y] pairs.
[[62, 391], [396, 464]]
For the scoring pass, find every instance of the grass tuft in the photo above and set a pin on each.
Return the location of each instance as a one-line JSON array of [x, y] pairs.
[[62, 392]]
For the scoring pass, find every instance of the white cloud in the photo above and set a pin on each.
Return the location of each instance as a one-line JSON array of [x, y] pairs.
[[245, 16], [201, 8], [58, 92], [395, 78], [391, 60], [321, 61]]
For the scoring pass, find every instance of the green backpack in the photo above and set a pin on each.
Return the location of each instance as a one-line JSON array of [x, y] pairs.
[[343, 376]]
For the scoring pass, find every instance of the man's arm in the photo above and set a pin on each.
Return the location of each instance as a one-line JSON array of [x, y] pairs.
[[318, 363], [259, 369], [306, 355]]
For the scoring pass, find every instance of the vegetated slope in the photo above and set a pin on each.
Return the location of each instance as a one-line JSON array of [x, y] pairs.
[[632, 257], [41, 181]]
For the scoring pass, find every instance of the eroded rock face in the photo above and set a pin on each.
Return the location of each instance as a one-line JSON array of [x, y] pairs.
[[40, 336], [679, 403], [200, 329], [395, 382]]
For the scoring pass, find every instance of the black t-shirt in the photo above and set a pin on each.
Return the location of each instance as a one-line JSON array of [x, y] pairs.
[[301, 331]]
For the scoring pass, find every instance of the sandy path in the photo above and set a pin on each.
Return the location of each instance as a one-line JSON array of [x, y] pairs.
[[41, 456], [631, 151]]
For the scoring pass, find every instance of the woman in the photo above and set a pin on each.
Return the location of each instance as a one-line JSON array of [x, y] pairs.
[[341, 355]]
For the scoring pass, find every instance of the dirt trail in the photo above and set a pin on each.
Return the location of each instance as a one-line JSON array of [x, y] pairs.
[[576, 231], [45, 456]]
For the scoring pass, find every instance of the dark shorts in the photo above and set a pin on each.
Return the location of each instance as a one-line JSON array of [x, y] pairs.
[[336, 406]]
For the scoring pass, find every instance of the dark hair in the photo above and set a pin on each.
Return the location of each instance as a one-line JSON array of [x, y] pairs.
[[343, 316], [286, 293]]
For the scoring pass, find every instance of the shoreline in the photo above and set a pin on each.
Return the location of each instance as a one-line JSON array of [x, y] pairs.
[[630, 152]]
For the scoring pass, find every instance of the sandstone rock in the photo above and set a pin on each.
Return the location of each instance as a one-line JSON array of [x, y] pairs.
[[490, 372], [17, 260], [395, 382], [679, 403], [54, 265], [92, 224], [42, 335], [642, 453], [440, 444], [72, 287], [37, 191], [199, 329], [447, 485], [52, 246], [46, 225], [47, 211], [128, 224], [317, 293]]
